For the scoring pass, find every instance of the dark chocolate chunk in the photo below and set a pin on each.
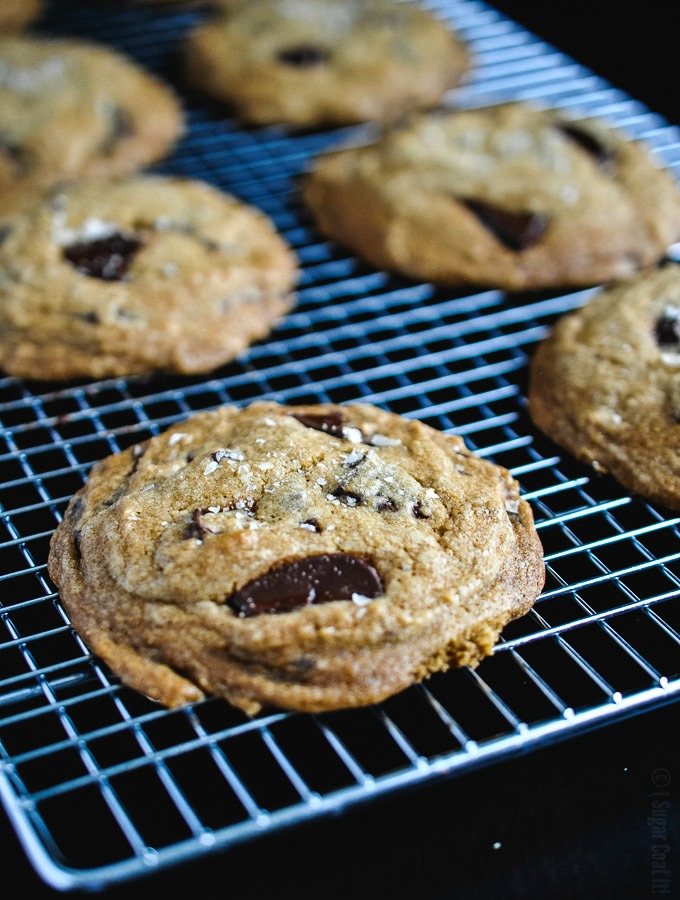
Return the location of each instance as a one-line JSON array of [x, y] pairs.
[[313, 524], [197, 529], [603, 156], [91, 317], [331, 423], [107, 258], [304, 55], [515, 230], [418, 511], [667, 330], [302, 582], [349, 498]]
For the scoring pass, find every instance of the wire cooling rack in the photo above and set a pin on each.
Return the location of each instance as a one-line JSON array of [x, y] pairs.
[[101, 784]]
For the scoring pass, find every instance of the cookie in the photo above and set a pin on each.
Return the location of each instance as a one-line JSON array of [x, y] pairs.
[[508, 196], [16, 15], [605, 384], [304, 557], [324, 62], [138, 274], [70, 109]]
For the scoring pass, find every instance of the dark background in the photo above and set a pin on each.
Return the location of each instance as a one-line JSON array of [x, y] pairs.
[[569, 820], [633, 45], [566, 821]]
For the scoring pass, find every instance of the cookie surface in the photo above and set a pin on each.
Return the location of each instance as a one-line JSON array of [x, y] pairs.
[[70, 109], [308, 557], [309, 62], [15, 15], [509, 196], [605, 384], [138, 274]]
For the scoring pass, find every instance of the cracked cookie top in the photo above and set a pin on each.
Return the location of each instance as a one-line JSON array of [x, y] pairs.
[[510, 196], [138, 274], [310, 62], [309, 557], [605, 384], [71, 109]]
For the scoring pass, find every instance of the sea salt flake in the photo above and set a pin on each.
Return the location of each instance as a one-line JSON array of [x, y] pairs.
[[354, 457], [360, 599], [382, 440], [210, 467], [176, 438], [352, 434]]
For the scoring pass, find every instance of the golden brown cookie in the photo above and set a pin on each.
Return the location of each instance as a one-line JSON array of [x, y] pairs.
[[306, 557], [509, 196], [16, 15], [70, 109], [311, 62], [138, 274], [605, 384]]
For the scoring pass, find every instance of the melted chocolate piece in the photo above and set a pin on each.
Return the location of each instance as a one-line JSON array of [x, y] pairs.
[[107, 258], [515, 230], [313, 524], [667, 331], [603, 156], [92, 318], [304, 56], [197, 528], [418, 512], [330, 423], [350, 498], [302, 582]]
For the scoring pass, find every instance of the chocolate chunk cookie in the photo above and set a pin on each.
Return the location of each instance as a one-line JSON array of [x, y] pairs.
[[138, 274], [309, 557], [310, 62], [605, 384], [70, 109], [507, 196], [15, 15]]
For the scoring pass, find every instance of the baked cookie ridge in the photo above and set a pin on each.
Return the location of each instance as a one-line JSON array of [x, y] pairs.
[[305, 557], [511, 196], [605, 383]]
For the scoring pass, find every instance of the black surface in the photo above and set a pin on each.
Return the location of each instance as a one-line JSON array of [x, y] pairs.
[[592, 817], [633, 46], [595, 816]]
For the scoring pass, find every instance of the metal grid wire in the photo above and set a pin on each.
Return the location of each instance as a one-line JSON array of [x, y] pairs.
[[103, 785]]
